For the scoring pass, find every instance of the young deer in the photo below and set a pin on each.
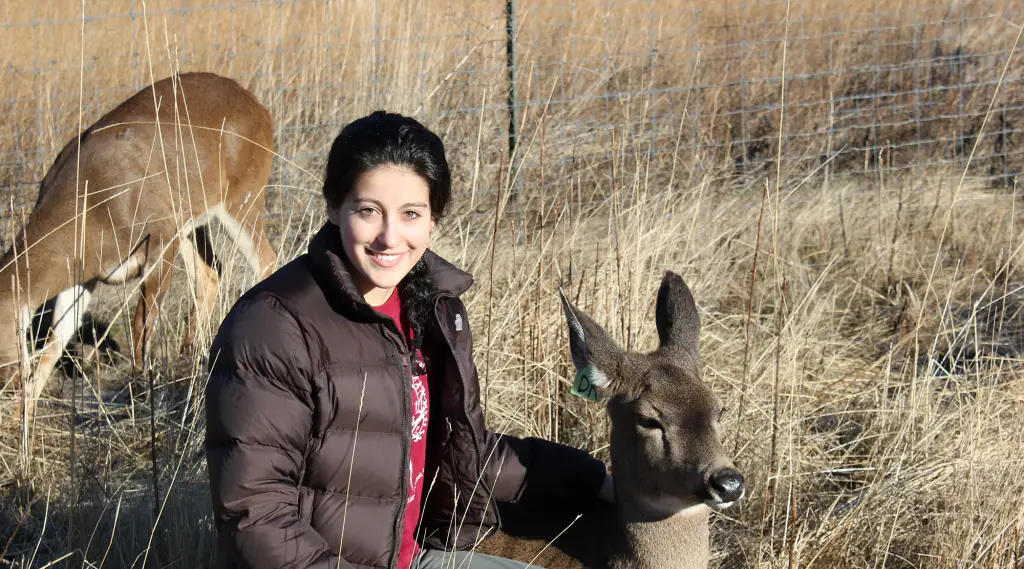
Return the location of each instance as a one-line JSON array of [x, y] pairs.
[[128, 199], [670, 467]]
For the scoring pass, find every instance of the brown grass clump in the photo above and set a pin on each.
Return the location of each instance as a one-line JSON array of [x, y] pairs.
[[861, 296]]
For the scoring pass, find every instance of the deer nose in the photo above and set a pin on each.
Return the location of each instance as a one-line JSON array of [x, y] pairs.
[[726, 485]]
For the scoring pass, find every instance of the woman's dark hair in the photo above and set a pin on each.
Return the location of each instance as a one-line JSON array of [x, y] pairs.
[[417, 292], [390, 139], [382, 139]]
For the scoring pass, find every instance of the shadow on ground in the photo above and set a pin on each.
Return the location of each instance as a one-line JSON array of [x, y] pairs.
[[115, 532]]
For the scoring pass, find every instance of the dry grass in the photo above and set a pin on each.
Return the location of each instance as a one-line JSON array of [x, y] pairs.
[[862, 311]]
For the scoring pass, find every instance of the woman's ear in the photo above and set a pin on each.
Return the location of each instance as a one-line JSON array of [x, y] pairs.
[[334, 215]]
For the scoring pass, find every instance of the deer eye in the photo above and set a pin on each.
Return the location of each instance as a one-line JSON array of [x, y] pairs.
[[648, 423]]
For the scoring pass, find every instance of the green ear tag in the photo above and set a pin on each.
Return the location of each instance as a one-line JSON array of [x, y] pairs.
[[584, 384]]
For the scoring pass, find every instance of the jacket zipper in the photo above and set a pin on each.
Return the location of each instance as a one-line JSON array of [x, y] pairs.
[[451, 456], [406, 370], [465, 411]]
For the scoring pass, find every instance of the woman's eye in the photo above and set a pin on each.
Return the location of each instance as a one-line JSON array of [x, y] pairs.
[[647, 422], [367, 211], [412, 214]]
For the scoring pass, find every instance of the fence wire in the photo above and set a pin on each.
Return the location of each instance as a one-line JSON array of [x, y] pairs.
[[695, 93]]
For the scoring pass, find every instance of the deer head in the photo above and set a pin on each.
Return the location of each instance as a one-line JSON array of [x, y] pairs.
[[666, 429]]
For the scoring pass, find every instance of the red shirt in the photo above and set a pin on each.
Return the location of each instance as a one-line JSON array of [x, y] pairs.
[[420, 413]]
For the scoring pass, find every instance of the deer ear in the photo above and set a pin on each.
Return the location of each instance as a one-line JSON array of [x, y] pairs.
[[677, 320], [591, 346]]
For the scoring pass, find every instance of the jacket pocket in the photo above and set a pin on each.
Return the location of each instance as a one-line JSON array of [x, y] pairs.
[[306, 496]]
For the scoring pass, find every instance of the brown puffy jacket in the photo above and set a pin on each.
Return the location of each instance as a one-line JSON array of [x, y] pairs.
[[298, 473]]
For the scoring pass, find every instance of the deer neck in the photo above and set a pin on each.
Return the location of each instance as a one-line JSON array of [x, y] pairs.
[[39, 274], [650, 539]]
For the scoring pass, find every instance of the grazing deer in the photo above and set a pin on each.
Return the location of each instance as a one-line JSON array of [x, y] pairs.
[[670, 467], [124, 200]]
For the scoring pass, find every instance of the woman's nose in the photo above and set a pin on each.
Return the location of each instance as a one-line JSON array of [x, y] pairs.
[[389, 234]]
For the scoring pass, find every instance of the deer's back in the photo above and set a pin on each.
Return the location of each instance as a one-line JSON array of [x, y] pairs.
[[529, 535], [208, 142]]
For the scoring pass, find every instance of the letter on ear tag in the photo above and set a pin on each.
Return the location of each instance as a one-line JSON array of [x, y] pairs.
[[584, 384]]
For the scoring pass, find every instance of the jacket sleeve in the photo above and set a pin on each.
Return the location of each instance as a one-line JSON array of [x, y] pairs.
[[534, 470], [259, 416]]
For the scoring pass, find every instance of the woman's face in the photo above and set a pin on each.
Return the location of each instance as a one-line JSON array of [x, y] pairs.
[[385, 227]]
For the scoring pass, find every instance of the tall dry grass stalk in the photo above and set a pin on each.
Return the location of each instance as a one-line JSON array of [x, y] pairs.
[[862, 309]]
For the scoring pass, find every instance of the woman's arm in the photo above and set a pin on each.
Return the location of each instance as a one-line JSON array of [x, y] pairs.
[[259, 417], [534, 469]]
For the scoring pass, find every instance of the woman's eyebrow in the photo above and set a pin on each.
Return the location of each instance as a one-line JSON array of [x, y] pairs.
[[378, 203], [368, 200]]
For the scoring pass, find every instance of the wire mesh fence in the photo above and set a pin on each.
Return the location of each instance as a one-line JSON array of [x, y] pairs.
[[725, 92]]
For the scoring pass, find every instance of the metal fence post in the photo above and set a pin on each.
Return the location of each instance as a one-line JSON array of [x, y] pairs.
[[510, 63]]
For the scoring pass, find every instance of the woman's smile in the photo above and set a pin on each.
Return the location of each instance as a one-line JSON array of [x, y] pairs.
[[386, 260]]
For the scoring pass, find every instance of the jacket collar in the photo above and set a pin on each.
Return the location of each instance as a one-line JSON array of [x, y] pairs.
[[328, 257]]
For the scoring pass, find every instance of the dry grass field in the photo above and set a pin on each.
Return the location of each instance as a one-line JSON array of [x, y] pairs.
[[855, 253]]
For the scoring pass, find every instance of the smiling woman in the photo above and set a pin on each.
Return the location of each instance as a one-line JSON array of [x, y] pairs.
[[344, 426]]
